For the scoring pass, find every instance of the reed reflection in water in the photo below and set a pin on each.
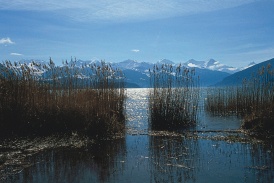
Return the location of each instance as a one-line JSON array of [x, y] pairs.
[[173, 159], [176, 159], [96, 163]]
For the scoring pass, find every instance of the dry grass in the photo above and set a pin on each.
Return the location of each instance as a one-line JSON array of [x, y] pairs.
[[173, 99], [64, 99], [253, 100]]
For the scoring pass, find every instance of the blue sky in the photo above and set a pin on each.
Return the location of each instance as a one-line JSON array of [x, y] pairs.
[[234, 32]]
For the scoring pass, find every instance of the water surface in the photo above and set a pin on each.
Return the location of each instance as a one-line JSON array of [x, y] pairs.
[[144, 156]]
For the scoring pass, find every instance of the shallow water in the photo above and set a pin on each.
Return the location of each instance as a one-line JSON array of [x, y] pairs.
[[144, 156]]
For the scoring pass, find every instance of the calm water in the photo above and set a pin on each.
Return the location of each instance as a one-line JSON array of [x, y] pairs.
[[140, 157]]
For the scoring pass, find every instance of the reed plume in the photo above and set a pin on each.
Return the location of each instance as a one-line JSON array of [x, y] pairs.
[[253, 101], [173, 99], [63, 99]]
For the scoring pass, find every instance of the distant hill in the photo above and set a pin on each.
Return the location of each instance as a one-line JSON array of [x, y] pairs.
[[238, 77], [135, 77], [211, 65], [209, 77], [137, 73]]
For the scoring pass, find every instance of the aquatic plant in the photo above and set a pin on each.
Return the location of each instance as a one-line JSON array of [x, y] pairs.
[[253, 100], [173, 99], [87, 99]]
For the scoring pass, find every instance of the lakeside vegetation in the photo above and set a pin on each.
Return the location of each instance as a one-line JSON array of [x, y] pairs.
[[253, 101], [65, 99], [90, 99], [173, 99]]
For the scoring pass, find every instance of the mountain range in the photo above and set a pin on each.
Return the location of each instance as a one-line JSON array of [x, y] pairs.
[[248, 73], [137, 74], [210, 72], [210, 65]]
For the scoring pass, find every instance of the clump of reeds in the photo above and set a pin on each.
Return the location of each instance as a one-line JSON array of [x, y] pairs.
[[173, 100], [63, 99], [253, 100], [223, 101]]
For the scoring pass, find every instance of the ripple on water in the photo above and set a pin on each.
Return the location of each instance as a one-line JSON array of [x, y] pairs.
[[137, 109]]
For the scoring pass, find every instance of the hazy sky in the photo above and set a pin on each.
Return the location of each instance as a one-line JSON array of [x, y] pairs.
[[234, 32]]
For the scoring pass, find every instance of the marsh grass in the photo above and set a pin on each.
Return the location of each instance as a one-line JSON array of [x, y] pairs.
[[253, 100], [173, 99], [86, 99]]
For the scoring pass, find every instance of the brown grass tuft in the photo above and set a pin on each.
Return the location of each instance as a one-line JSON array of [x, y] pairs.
[[173, 100], [64, 99]]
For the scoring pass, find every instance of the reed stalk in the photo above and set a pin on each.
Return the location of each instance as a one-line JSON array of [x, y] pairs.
[[173, 99], [253, 101], [64, 99]]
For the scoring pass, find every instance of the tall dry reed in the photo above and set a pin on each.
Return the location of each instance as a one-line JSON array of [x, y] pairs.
[[173, 99], [253, 100], [87, 99]]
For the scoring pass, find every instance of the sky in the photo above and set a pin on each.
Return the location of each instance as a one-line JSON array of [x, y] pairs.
[[234, 32]]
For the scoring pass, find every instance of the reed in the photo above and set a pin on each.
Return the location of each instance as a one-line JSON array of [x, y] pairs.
[[173, 99], [253, 100], [86, 99]]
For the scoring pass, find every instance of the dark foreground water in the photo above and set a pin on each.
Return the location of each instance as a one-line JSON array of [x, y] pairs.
[[214, 152]]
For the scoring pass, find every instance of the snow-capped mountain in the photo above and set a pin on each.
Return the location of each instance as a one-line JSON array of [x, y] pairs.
[[144, 66], [80, 63], [37, 67], [195, 63], [249, 65], [165, 61], [137, 73], [248, 74], [211, 65], [133, 65]]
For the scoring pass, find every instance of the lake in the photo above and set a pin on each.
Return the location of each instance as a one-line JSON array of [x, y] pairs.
[[214, 151]]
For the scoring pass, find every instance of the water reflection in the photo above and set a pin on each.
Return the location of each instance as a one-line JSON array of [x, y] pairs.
[[173, 159], [209, 122], [136, 110], [262, 162], [177, 159], [141, 157], [96, 163]]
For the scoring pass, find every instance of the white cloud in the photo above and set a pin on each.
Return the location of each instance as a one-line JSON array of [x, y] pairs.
[[16, 54], [6, 41], [113, 10], [135, 50]]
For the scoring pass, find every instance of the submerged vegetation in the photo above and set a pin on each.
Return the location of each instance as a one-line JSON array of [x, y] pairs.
[[85, 99], [253, 100], [173, 99]]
